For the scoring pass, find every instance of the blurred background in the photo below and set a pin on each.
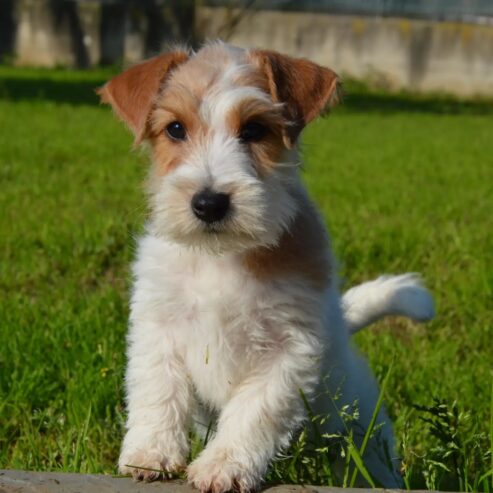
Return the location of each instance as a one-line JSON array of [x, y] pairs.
[[437, 45]]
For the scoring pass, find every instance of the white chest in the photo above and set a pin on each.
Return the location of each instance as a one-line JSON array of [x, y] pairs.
[[220, 319]]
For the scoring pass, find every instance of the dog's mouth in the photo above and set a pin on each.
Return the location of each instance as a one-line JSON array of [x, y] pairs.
[[213, 229], [244, 225], [218, 227]]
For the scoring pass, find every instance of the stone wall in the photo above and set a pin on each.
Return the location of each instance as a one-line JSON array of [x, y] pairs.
[[50, 35], [395, 53], [81, 34], [391, 52]]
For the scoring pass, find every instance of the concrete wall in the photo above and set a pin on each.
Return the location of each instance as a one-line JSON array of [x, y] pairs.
[[56, 35], [82, 34], [395, 53]]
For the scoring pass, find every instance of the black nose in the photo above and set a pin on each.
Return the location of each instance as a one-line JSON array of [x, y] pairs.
[[210, 206]]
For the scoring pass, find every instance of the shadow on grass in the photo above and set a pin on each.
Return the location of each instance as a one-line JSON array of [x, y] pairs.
[[76, 92], [77, 88], [368, 102]]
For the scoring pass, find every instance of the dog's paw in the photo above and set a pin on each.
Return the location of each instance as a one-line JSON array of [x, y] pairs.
[[149, 465], [217, 473]]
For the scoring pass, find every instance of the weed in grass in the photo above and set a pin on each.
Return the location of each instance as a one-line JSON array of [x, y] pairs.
[[457, 451]]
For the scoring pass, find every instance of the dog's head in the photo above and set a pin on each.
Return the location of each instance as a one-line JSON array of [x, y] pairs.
[[223, 125]]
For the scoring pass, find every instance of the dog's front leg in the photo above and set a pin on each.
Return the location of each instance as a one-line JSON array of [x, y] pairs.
[[257, 421], [158, 400]]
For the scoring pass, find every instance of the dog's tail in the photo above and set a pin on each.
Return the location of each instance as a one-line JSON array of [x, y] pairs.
[[387, 295]]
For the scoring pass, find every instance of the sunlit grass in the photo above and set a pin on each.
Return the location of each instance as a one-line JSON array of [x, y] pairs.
[[405, 184]]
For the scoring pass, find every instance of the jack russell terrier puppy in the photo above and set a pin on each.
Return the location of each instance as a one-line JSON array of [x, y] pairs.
[[235, 308]]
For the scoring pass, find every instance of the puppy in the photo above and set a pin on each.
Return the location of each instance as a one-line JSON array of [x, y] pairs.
[[235, 307]]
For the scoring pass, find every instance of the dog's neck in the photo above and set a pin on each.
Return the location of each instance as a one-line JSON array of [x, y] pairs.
[[303, 250]]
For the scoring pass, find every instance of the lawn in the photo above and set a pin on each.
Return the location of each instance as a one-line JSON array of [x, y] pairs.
[[405, 184]]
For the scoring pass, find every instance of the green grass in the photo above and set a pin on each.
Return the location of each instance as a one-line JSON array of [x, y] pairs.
[[405, 184]]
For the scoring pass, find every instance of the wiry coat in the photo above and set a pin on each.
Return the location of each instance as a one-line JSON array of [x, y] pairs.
[[236, 317]]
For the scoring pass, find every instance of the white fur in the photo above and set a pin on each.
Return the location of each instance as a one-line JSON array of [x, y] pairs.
[[206, 333], [263, 207], [208, 338], [387, 295]]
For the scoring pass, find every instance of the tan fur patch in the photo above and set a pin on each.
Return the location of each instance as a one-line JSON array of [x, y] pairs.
[[132, 92], [307, 89], [180, 100], [167, 154], [302, 252], [267, 152], [175, 104], [181, 97]]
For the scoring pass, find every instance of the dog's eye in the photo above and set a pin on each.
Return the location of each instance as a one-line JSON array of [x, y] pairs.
[[253, 132], [176, 131]]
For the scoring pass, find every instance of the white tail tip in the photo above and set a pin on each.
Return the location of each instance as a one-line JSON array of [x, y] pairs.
[[388, 295]]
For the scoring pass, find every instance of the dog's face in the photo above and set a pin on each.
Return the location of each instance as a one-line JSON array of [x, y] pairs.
[[222, 125]]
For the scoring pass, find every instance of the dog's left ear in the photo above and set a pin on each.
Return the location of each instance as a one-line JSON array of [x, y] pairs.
[[307, 89], [132, 93]]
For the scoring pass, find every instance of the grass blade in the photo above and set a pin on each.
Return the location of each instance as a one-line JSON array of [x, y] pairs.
[[80, 441], [372, 422], [360, 466]]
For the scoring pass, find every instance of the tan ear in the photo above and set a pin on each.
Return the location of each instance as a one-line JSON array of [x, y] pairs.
[[306, 89], [131, 94]]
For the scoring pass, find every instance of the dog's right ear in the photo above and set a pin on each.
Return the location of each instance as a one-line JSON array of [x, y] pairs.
[[306, 89], [131, 94]]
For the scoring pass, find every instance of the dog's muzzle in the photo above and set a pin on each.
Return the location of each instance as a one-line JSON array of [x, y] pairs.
[[209, 206]]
